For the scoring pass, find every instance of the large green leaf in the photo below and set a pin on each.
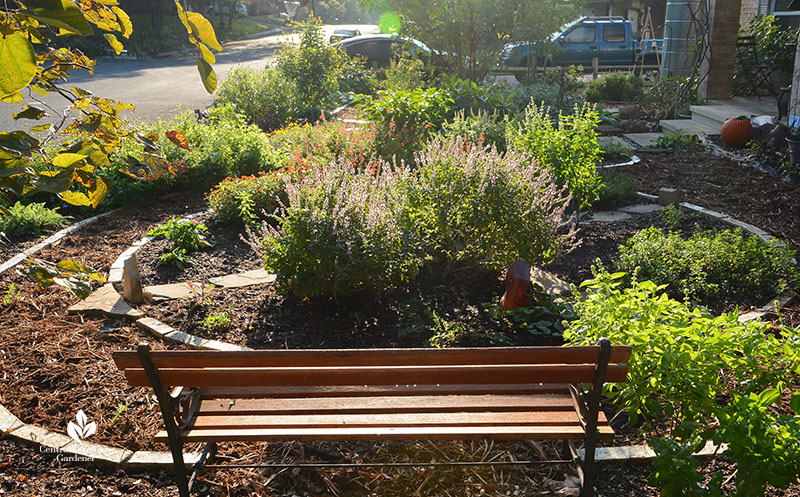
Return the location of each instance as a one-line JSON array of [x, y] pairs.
[[76, 198], [17, 63], [30, 112], [53, 181], [207, 74], [203, 30], [67, 160], [11, 164], [18, 142], [61, 14]]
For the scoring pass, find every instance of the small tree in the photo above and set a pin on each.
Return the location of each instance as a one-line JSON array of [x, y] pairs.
[[314, 65]]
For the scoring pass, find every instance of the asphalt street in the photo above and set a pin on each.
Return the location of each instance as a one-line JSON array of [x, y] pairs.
[[159, 87]]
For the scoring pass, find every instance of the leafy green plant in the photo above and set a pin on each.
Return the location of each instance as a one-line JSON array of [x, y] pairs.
[[479, 128], [670, 97], [544, 317], [404, 74], [343, 230], [217, 322], [405, 119], [472, 205], [223, 147], [676, 139], [771, 40], [569, 148], [471, 97], [314, 65], [672, 216], [308, 146], [618, 190], [249, 199], [712, 268], [31, 219], [615, 87], [186, 237], [266, 98], [11, 295], [445, 333]]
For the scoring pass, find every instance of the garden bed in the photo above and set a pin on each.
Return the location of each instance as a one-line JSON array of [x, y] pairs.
[[55, 364]]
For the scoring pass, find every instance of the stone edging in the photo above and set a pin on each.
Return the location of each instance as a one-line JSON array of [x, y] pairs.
[[634, 160], [55, 237]]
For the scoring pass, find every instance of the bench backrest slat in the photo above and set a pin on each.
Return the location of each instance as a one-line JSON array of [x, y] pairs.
[[372, 357], [373, 375]]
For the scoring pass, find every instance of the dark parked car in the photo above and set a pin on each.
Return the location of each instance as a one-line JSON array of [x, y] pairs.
[[380, 49], [343, 34]]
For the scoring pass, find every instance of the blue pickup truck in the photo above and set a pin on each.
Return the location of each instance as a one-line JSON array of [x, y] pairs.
[[610, 39]]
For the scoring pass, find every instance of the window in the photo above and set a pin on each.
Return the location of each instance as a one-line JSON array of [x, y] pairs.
[[581, 34], [614, 33], [785, 6]]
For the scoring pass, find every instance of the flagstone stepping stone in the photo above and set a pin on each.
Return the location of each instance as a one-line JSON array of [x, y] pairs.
[[160, 293], [641, 208], [604, 217], [254, 277], [106, 301]]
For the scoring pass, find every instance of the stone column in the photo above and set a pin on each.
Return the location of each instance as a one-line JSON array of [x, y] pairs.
[[717, 67]]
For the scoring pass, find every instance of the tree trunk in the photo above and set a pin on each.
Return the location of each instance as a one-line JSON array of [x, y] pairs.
[[156, 16]]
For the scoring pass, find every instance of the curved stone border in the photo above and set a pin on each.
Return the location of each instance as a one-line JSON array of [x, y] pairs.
[[58, 236]]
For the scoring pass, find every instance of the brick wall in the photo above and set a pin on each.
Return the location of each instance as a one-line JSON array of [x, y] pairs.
[[719, 68]]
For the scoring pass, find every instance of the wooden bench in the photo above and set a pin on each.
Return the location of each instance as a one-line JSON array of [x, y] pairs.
[[505, 393]]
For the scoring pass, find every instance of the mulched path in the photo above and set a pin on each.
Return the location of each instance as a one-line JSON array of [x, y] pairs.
[[53, 364]]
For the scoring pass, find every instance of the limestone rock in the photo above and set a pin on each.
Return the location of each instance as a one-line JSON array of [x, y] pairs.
[[106, 301]]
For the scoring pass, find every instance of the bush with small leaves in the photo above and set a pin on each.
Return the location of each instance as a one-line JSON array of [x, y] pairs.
[[473, 205], [568, 147], [715, 269], [266, 98], [344, 230], [615, 87], [186, 237], [479, 128]]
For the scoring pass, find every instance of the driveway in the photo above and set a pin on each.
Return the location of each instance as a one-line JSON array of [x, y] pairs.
[[159, 87]]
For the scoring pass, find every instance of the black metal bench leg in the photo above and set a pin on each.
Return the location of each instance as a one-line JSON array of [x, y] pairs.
[[208, 454], [591, 423], [167, 406]]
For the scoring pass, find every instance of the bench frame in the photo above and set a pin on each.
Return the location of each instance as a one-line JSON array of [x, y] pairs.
[[179, 409]]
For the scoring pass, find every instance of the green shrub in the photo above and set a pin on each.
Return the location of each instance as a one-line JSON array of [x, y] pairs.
[[617, 190], [222, 148], [671, 96], [343, 231], [469, 96], [771, 42], [615, 87], [472, 205], [32, 219], [186, 237], [714, 378], [405, 119], [250, 199], [569, 148], [266, 98], [480, 128], [315, 66], [711, 268], [404, 74], [308, 145], [676, 139], [357, 78]]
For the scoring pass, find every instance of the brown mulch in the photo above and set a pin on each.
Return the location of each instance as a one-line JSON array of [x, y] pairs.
[[53, 364], [723, 185]]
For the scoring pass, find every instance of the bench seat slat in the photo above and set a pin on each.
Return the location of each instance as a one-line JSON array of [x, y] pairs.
[[373, 357], [390, 433], [555, 418], [378, 390], [372, 375], [388, 404]]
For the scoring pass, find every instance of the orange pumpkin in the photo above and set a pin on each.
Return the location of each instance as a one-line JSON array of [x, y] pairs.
[[737, 131]]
